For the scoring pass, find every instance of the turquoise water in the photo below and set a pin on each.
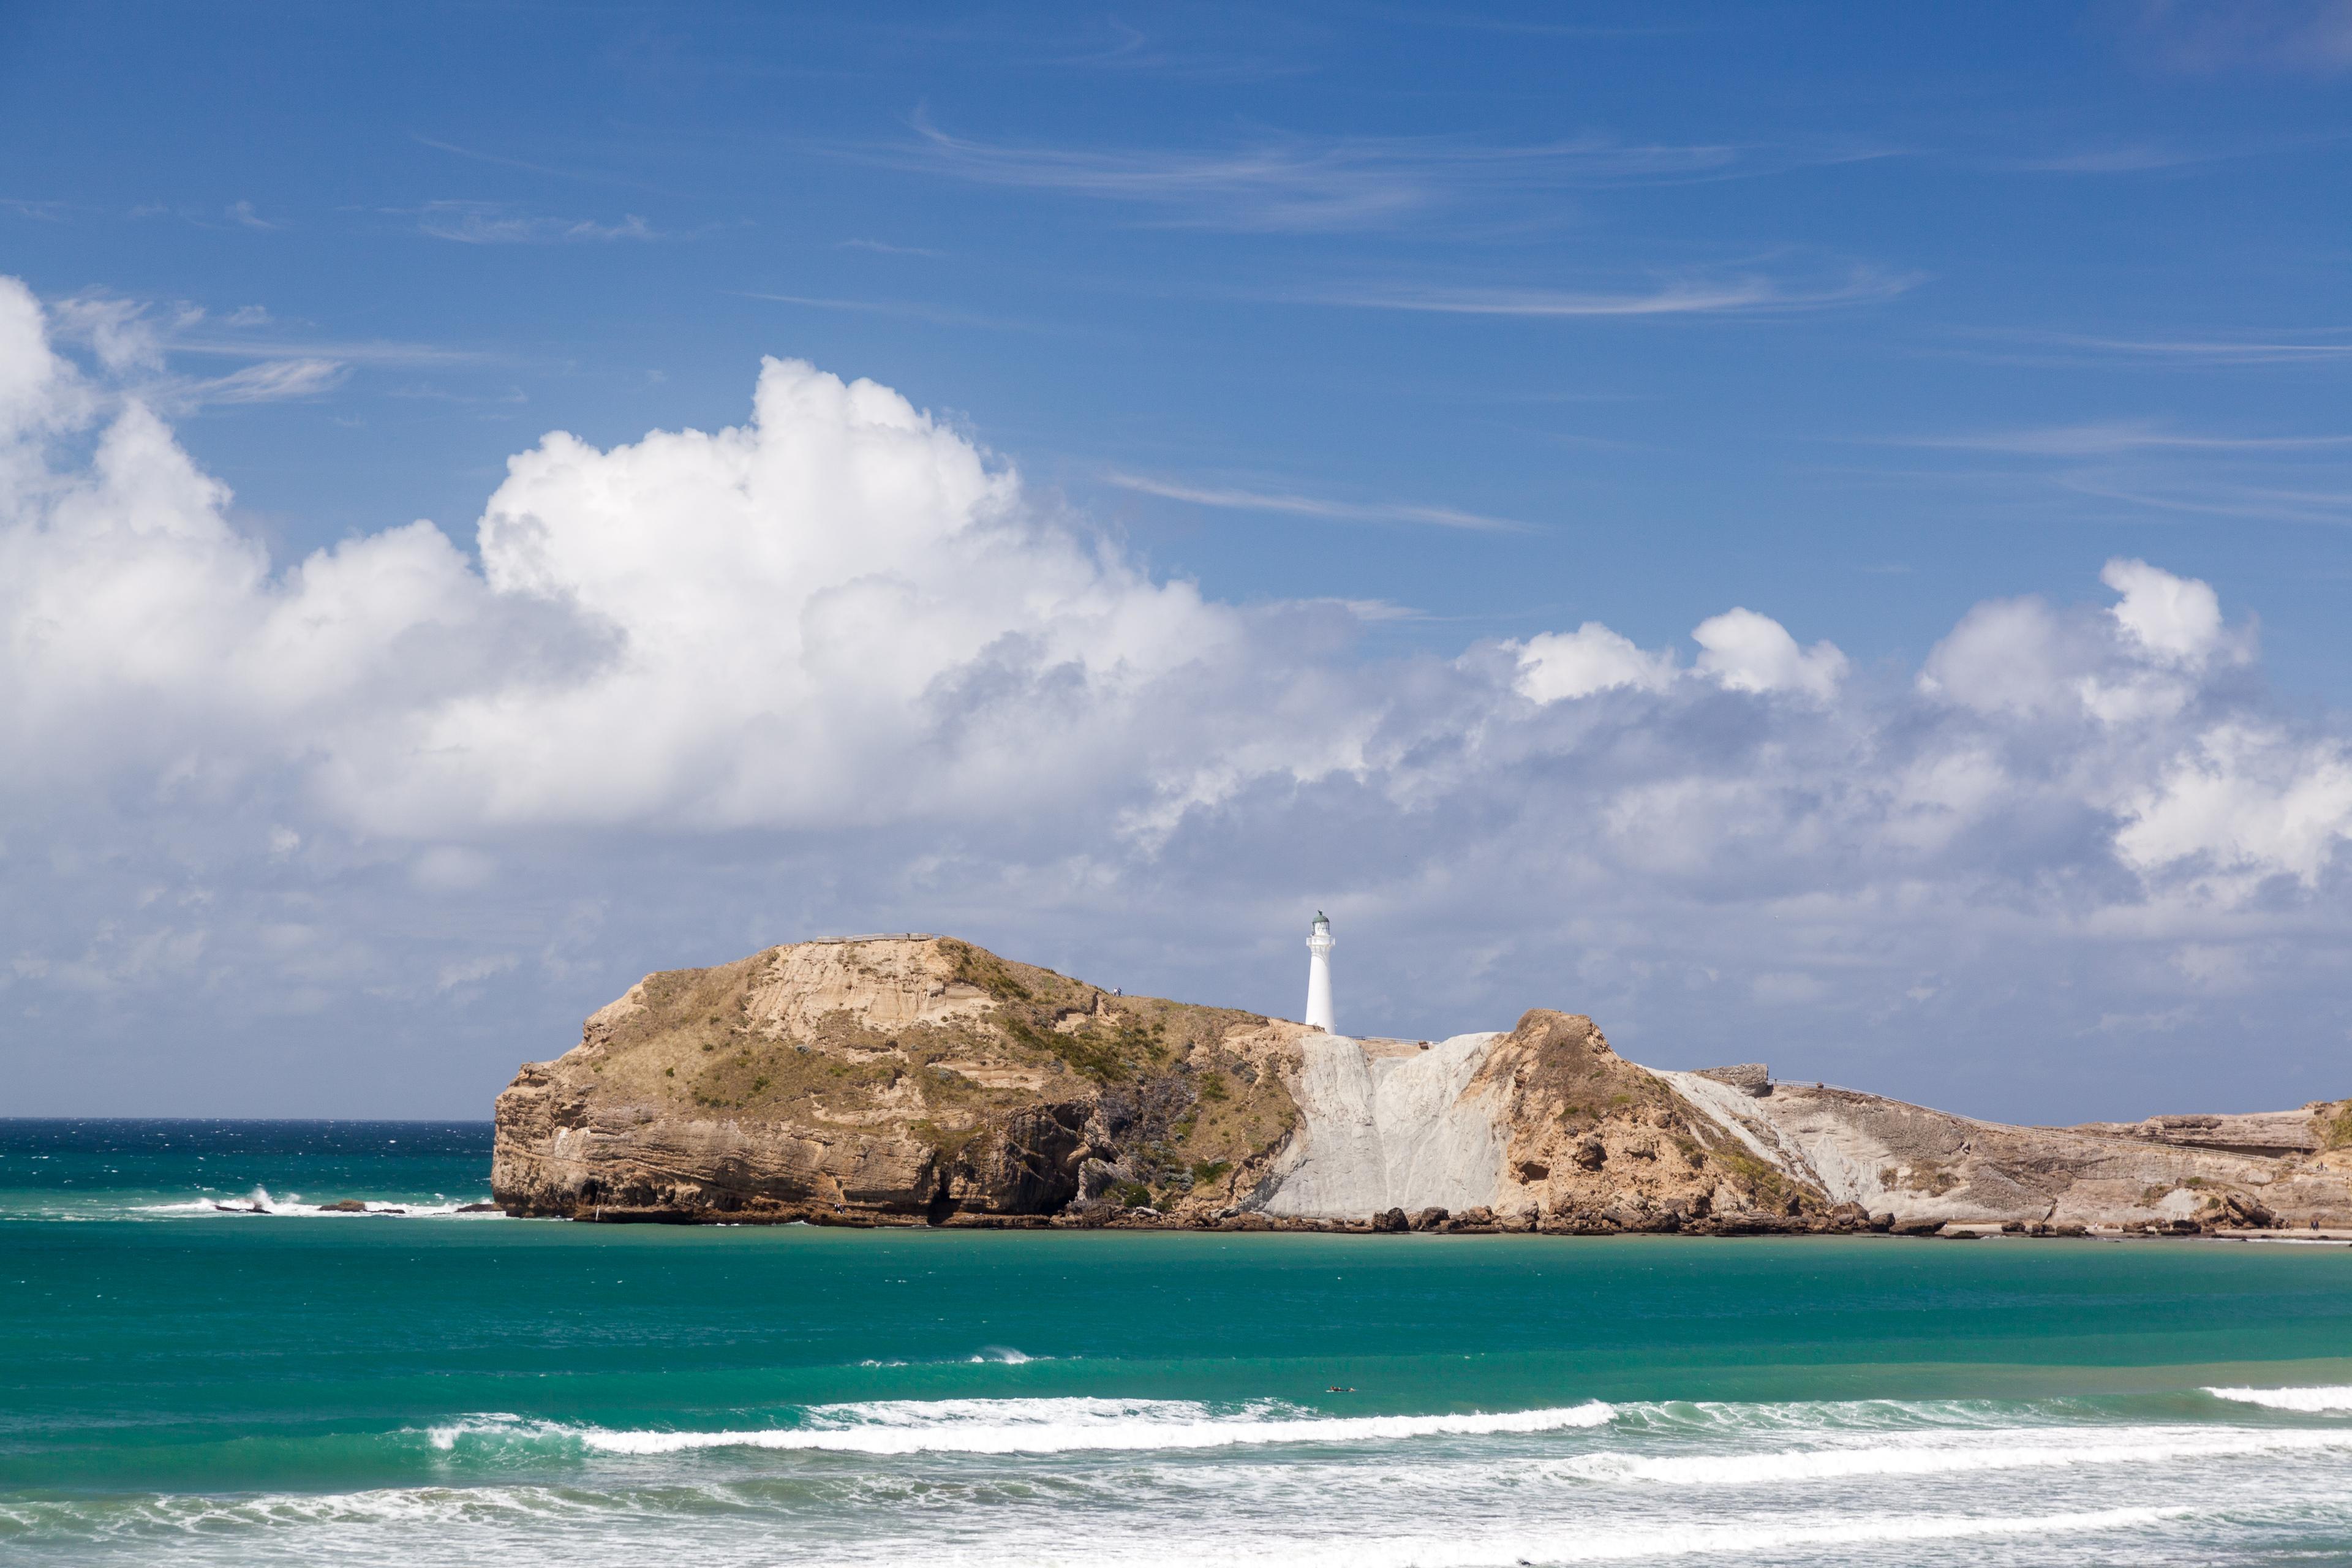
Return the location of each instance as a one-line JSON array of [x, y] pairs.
[[179, 1383]]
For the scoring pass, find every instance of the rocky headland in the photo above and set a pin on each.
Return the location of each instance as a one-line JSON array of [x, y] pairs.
[[922, 1080]]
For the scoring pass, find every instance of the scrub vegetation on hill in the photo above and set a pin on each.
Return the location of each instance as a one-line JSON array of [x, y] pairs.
[[926, 1080]]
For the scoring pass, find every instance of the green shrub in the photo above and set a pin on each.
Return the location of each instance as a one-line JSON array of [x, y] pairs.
[[948, 1142], [1767, 1183], [986, 971], [1084, 1052]]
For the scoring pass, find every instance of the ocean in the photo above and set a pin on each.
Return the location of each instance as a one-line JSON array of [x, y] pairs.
[[186, 1384]]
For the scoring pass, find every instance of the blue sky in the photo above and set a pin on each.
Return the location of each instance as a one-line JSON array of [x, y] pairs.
[[1987, 276], [1487, 323]]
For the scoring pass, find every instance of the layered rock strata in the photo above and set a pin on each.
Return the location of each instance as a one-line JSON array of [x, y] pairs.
[[918, 1080]]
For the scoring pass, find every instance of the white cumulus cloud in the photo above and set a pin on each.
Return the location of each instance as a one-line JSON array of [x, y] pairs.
[[834, 668], [1748, 652], [1558, 665], [2178, 620]]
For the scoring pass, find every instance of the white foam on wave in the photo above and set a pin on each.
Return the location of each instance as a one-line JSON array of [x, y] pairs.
[[496, 1426], [1035, 1427], [1604, 1545], [260, 1202], [1720, 1418], [2315, 1400], [987, 1355], [1950, 1454], [437, 1524], [197, 1514]]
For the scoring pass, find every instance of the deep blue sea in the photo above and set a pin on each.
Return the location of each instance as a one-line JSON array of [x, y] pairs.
[[263, 1383]]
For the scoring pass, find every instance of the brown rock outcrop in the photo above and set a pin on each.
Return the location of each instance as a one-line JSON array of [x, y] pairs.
[[1595, 1135], [2270, 1132], [1922, 1165], [912, 1079]]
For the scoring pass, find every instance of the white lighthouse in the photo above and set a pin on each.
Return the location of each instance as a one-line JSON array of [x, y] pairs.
[[1319, 975]]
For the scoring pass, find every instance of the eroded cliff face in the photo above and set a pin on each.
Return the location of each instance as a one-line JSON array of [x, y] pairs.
[[922, 1080], [910, 1077], [1925, 1167], [1543, 1126]]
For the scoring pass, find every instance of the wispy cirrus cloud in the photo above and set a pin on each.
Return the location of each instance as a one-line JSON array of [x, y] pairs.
[[269, 381], [2308, 345], [2300, 477], [2119, 160], [2100, 440], [1279, 183], [370, 352], [1378, 610], [586, 176], [1121, 48], [2298, 38], [136, 337], [1294, 505], [132, 339], [423, 392], [911, 310], [1741, 294], [2322, 346], [2127, 158], [121, 332], [2196, 497], [495, 222], [884, 248]]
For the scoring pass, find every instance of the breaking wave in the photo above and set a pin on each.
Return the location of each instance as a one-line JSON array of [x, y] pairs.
[[1819, 1440], [2311, 1400], [262, 1201], [1032, 1427], [1606, 1544], [1951, 1454], [433, 1525]]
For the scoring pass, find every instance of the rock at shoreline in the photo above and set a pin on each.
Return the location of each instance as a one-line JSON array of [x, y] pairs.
[[913, 1079], [921, 1080]]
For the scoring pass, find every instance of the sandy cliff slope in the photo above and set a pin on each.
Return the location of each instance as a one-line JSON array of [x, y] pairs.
[[919, 1079]]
